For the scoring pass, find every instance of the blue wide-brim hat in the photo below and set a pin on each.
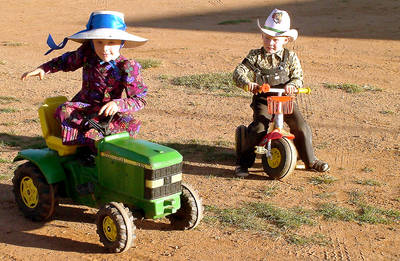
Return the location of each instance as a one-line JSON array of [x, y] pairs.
[[108, 25]]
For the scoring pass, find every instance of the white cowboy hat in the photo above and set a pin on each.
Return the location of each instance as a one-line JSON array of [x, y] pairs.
[[102, 25], [278, 24]]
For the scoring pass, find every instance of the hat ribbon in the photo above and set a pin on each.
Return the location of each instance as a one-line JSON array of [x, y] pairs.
[[95, 22], [273, 29]]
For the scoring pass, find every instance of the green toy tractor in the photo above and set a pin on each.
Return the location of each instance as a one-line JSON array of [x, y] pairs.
[[128, 177]]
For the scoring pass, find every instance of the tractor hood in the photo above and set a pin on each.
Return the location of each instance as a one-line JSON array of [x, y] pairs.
[[149, 155]]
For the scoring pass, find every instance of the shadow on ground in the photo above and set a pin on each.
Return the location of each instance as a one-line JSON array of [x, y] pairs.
[[318, 18], [19, 231]]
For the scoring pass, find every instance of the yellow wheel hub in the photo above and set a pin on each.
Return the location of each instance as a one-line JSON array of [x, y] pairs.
[[29, 192], [109, 229], [275, 158]]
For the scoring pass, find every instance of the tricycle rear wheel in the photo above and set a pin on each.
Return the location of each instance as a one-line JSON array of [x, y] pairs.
[[240, 139], [34, 196]]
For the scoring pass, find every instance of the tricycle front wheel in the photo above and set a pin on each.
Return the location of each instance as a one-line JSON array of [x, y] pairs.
[[283, 159]]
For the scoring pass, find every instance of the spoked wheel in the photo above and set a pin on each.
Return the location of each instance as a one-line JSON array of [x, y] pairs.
[[115, 227], [283, 159], [34, 196], [191, 211]]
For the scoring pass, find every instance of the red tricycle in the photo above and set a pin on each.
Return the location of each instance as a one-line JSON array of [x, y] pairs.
[[277, 150]]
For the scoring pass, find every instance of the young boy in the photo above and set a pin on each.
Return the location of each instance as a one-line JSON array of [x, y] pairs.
[[280, 68], [105, 76]]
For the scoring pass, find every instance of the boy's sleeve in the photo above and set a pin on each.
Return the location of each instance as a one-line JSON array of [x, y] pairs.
[[295, 71], [241, 72], [135, 88], [69, 61]]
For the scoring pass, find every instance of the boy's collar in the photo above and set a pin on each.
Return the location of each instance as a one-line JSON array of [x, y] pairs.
[[278, 53]]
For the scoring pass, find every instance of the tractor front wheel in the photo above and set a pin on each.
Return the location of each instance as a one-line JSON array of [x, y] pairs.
[[190, 212], [115, 227], [34, 196]]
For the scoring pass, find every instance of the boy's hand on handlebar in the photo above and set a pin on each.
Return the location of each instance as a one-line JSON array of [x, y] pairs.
[[253, 87], [109, 109], [37, 72], [290, 89]]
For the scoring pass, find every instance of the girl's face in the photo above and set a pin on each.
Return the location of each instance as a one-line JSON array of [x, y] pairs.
[[273, 44], [107, 50]]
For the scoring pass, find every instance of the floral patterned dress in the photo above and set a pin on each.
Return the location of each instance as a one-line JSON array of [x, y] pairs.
[[101, 82]]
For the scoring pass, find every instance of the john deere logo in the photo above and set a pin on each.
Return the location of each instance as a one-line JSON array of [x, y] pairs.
[[277, 17]]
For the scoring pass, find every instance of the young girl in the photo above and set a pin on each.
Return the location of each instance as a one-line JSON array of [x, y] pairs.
[[105, 75], [280, 68]]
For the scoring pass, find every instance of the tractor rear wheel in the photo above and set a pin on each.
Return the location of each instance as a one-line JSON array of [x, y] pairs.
[[191, 211], [115, 227], [34, 196]]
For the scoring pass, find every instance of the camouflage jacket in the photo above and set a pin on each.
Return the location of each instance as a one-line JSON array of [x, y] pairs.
[[242, 75]]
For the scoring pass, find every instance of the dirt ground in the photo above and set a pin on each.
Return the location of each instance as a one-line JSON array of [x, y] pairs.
[[341, 41]]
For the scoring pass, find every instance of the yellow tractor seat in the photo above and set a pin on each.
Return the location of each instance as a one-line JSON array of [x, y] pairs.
[[51, 128]]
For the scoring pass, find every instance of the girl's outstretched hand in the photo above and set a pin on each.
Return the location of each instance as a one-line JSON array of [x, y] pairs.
[[37, 72], [109, 109]]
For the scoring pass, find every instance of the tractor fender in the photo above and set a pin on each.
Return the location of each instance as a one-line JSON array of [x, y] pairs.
[[47, 161]]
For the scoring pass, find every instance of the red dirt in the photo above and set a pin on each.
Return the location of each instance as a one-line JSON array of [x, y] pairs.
[[348, 41]]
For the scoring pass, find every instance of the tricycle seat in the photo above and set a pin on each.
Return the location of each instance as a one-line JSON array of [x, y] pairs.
[[51, 128]]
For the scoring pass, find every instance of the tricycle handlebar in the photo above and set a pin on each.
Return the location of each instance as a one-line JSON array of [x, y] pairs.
[[267, 88]]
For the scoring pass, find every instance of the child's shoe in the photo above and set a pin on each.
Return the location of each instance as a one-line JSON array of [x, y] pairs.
[[319, 166], [241, 171]]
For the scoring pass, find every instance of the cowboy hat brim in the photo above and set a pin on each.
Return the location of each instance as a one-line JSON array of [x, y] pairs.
[[109, 34], [292, 33]]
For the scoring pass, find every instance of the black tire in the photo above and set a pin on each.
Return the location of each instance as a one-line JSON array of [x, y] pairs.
[[240, 139], [191, 211], [283, 161], [115, 227], [34, 196]]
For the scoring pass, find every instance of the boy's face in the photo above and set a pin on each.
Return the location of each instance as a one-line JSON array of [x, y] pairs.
[[107, 50], [273, 44]]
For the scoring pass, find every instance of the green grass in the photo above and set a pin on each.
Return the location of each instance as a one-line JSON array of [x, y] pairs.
[[8, 110], [5, 161], [259, 216], [323, 179], [287, 222], [8, 99], [386, 112], [237, 21], [373, 215], [367, 169], [35, 120], [218, 151], [149, 63], [363, 214], [351, 88], [314, 239], [331, 211], [368, 182], [11, 43], [208, 82], [21, 142], [271, 191]]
